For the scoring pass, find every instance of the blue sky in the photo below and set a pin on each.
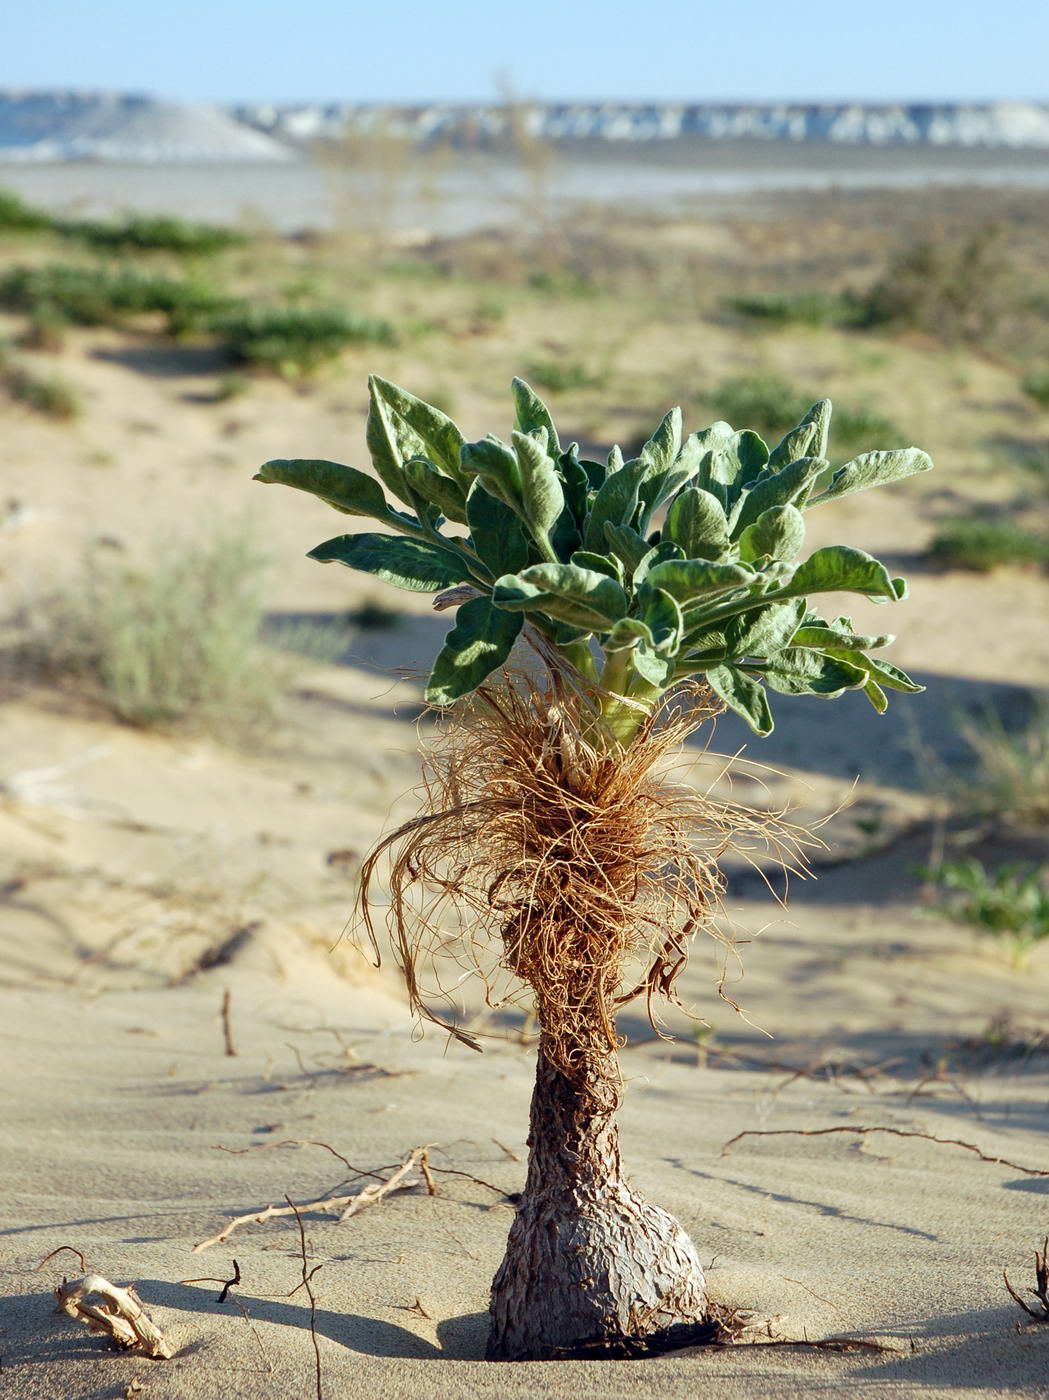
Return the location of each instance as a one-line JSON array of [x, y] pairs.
[[457, 49]]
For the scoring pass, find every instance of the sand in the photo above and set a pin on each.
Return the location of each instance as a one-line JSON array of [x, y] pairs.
[[127, 859]]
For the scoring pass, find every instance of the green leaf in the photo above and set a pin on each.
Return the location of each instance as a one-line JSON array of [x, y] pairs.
[[496, 532], [838, 566], [807, 439], [347, 489], [799, 671], [874, 469], [654, 667], [831, 637], [663, 618], [419, 429], [416, 565], [891, 675], [616, 503], [657, 554], [743, 694], [600, 563], [492, 462], [479, 643], [696, 521], [692, 580], [783, 488], [627, 633], [565, 592], [779, 533], [532, 413], [441, 491], [876, 695], [765, 630], [627, 545], [542, 496]]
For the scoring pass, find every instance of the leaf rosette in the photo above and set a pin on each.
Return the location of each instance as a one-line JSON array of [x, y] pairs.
[[685, 561]]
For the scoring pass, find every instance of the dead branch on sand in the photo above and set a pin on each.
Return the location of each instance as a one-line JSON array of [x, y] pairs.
[[894, 1132], [306, 1277], [345, 1205], [119, 1316], [1040, 1291]]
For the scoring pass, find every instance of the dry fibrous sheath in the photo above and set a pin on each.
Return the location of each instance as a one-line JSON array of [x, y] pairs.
[[604, 611]]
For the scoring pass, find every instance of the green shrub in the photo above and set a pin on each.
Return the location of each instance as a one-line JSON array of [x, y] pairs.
[[46, 330], [295, 340], [176, 641], [983, 545], [48, 395], [1010, 904], [1036, 386], [795, 308], [153, 233], [16, 216], [956, 288], [771, 405], [1010, 778], [95, 296], [564, 376]]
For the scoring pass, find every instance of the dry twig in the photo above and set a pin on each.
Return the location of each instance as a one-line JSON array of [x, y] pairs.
[[894, 1132], [119, 1316], [61, 1247], [1040, 1291], [227, 1283], [227, 1034], [345, 1205], [306, 1283]]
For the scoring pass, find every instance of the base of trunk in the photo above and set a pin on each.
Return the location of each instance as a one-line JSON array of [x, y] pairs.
[[611, 1276]]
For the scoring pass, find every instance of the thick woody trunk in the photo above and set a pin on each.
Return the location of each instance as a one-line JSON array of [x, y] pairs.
[[590, 1267]]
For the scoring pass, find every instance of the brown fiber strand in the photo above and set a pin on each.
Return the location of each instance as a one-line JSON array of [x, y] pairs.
[[546, 858]]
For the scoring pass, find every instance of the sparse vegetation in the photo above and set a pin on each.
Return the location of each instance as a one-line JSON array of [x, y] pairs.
[[1010, 904], [17, 216], [1036, 386], [172, 641], [293, 341], [770, 404], [955, 287], [47, 394], [983, 544], [813, 308], [560, 376], [153, 233], [1010, 780], [98, 296]]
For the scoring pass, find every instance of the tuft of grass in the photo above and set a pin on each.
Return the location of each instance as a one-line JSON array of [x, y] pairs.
[[1036, 386], [18, 216], [1010, 904], [984, 545], [795, 308], [1010, 779], [957, 288], [293, 341], [96, 296], [153, 233], [175, 641], [46, 331], [771, 406], [564, 376], [46, 394]]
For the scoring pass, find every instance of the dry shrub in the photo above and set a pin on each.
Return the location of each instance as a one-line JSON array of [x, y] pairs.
[[580, 869]]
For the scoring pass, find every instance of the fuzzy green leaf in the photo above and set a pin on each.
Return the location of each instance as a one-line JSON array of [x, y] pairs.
[[496, 467], [441, 491], [779, 533], [764, 631], [542, 496], [743, 694], [532, 413], [831, 637], [479, 643], [627, 545], [418, 429], [627, 633], [784, 488], [600, 563], [416, 565], [807, 439], [874, 469], [876, 695], [496, 532], [696, 521], [350, 491], [690, 581], [799, 671], [838, 566], [654, 667], [615, 503], [663, 618], [565, 592]]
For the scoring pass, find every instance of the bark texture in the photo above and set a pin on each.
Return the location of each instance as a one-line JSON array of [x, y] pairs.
[[590, 1266]]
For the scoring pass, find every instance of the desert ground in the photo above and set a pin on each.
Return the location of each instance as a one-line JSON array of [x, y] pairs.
[[151, 873]]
